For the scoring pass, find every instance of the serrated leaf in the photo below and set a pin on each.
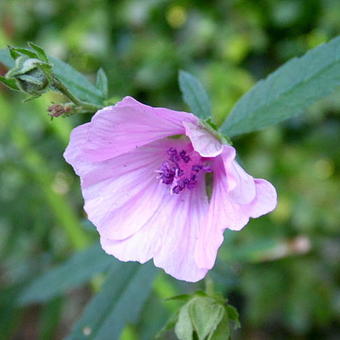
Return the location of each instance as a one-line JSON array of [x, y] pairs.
[[102, 83], [118, 303], [205, 315], [194, 95], [9, 83], [288, 91], [77, 270]]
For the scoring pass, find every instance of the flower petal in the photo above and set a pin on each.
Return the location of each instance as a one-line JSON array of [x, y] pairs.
[[223, 213], [206, 144], [169, 236], [241, 186], [121, 194], [128, 125], [225, 209], [265, 200]]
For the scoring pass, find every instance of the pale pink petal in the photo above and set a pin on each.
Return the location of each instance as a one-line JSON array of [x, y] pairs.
[[226, 210], [121, 194], [169, 236], [241, 186], [128, 125], [223, 213], [74, 154], [265, 200], [205, 143]]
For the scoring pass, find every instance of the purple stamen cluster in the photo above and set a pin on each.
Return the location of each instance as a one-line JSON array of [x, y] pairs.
[[177, 172]]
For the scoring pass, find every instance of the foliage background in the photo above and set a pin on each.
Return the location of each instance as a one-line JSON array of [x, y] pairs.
[[282, 272]]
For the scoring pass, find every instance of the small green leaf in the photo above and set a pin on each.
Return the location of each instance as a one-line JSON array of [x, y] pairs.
[[288, 91], [13, 53], [102, 83], [182, 297], [39, 51], [194, 95], [184, 329], [222, 331], [205, 314], [119, 302], [9, 83], [23, 51], [77, 270]]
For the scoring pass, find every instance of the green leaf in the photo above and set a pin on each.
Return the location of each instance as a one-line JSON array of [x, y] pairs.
[[184, 329], [76, 82], [5, 58], [9, 83], [205, 314], [39, 51], [194, 95], [102, 83], [77, 270], [25, 51], [118, 303], [288, 91], [233, 315], [222, 331]]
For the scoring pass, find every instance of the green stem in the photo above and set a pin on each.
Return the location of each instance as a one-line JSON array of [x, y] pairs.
[[209, 286], [65, 91]]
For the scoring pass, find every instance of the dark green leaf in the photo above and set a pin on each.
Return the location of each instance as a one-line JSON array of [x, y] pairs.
[[102, 83], [194, 95], [39, 51], [25, 51], [118, 303], [79, 269], [288, 91], [9, 83]]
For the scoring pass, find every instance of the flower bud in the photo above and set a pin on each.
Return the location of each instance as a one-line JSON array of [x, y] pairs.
[[30, 75]]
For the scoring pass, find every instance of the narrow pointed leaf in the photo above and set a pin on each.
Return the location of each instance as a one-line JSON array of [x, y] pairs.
[[118, 303], [288, 91], [39, 51], [77, 270], [194, 95], [9, 83]]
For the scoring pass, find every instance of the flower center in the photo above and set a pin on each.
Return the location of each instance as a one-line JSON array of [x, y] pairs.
[[181, 170]]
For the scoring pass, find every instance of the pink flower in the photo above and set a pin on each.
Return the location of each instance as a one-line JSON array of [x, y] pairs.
[[145, 187]]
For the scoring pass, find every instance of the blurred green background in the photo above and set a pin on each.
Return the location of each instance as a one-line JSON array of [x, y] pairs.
[[282, 271]]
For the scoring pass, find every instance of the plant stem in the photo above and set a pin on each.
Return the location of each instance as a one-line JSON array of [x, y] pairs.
[[65, 91]]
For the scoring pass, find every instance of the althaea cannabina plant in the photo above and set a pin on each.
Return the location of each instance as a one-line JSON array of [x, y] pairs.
[[145, 190]]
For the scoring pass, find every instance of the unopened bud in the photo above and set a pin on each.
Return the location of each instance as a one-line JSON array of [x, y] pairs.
[[57, 110]]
